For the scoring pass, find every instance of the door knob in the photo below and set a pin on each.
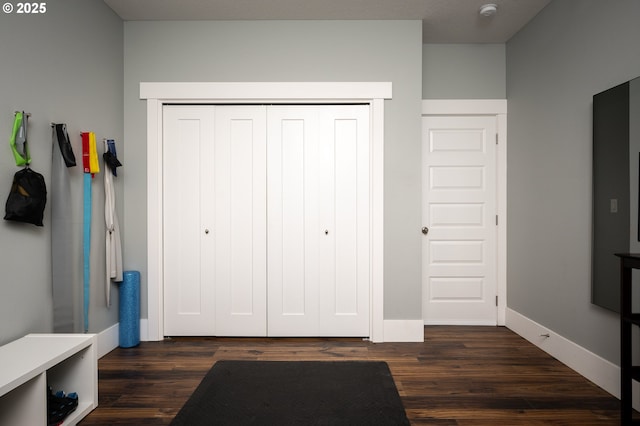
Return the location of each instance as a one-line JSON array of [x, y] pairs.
[[206, 231], [425, 230]]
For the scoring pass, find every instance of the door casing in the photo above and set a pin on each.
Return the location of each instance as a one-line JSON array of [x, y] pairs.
[[158, 94], [497, 108]]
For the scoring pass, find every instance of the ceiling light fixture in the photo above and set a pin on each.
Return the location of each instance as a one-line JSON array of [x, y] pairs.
[[489, 9]]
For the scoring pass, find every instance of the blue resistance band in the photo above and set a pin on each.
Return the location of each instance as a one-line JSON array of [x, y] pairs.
[[86, 247]]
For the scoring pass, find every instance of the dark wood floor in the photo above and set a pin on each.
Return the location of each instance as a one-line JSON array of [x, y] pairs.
[[459, 376]]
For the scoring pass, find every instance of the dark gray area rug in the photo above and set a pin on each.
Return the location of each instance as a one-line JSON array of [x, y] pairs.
[[295, 393]]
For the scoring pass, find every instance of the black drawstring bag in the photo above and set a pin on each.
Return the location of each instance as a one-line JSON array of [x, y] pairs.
[[27, 198]]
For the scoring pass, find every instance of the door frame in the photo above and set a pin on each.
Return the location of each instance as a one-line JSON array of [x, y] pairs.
[[157, 94], [497, 108]]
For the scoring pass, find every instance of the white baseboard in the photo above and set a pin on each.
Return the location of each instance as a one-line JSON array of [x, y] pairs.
[[403, 331], [108, 340], [144, 330], [593, 367]]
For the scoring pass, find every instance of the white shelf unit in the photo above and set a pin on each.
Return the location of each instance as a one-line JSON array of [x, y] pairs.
[[67, 362]]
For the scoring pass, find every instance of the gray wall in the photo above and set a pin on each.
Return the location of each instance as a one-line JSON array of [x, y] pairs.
[[463, 71], [292, 51], [61, 66], [572, 50]]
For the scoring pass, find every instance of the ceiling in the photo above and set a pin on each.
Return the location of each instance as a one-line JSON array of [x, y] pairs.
[[444, 21]]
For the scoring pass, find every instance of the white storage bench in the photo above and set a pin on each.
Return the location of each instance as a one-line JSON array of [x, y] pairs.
[[67, 362]]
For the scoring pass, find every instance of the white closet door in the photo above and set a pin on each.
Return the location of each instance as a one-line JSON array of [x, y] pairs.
[[293, 223], [214, 221], [345, 221], [188, 286], [219, 263], [318, 221], [239, 220]]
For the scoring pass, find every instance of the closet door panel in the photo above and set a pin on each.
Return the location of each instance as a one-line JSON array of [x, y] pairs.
[[293, 226], [188, 286], [267, 228], [344, 195], [240, 221]]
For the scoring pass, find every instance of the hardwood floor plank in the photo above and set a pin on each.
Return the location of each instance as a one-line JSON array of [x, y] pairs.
[[462, 376]]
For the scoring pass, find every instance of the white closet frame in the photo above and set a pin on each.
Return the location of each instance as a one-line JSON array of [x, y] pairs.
[[159, 93]]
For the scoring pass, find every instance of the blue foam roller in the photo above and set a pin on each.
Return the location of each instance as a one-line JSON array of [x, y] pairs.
[[130, 309]]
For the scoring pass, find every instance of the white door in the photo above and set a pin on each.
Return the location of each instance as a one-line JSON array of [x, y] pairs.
[[318, 210], [459, 216], [293, 221], [239, 221], [266, 213], [189, 304], [214, 221], [345, 246]]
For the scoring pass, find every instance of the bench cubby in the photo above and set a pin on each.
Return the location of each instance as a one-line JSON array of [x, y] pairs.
[[67, 362]]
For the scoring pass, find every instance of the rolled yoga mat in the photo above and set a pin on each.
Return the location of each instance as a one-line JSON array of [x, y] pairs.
[[129, 309]]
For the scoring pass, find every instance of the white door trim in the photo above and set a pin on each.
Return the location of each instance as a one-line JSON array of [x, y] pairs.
[[497, 108], [159, 93]]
